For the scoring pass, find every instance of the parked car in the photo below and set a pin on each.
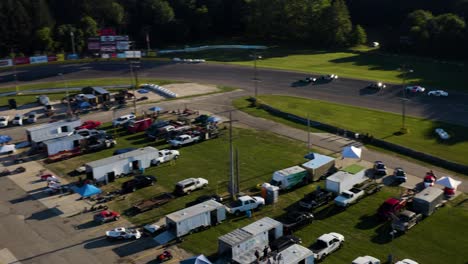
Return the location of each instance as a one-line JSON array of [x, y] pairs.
[[430, 179], [406, 220], [442, 134], [296, 220], [18, 120], [89, 124], [348, 197], [399, 175], [189, 185], [415, 89], [284, 242], [437, 93], [32, 117], [4, 121], [165, 155], [326, 244], [380, 168], [138, 182], [122, 120], [377, 85], [391, 206], [86, 133], [316, 199], [106, 216], [120, 233]]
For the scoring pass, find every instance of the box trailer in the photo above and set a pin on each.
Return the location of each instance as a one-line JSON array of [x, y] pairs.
[[240, 244], [297, 254], [342, 181], [289, 178], [43, 132], [106, 170], [428, 200], [135, 126], [192, 219], [320, 166], [68, 143]]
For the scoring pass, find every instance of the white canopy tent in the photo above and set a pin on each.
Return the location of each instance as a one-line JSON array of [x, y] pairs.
[[351, 152], [448, 182]]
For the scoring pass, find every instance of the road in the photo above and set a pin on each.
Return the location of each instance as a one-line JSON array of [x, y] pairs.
[[347, 91]]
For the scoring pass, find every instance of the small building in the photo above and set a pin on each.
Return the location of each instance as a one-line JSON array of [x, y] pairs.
[[319, 166], [106, 170], [43, 132], [68, 143], [297, 254], [101, 94], [240, 244]]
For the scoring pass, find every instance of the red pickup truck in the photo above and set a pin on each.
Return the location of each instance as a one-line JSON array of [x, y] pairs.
[[391, 206], [135, 126]]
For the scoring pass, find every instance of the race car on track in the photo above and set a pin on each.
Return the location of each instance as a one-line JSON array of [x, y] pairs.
[[120, 233]]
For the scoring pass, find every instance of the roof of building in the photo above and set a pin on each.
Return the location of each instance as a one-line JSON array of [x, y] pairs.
[[318, 161], [341, 175], [241, 234], [429, 194], [197, 209], [124, 156], [100, 90], [295, 253]]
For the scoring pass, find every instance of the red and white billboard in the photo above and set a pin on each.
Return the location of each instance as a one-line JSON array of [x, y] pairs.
[[52, 58], [21, 60]]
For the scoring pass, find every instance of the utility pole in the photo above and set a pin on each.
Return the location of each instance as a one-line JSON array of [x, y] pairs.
[[232, 181], [405, 71], [308, 133], [237, 178], [72, 36], [255, 79], [69, 111]]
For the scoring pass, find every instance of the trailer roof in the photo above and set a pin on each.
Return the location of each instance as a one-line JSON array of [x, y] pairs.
[[66, 138], [429, 194], [341, 175], [113, 159], [290, 170], [59, 123], [100, 90], [197, 209], [318, 161], [296, 253], [241, 234]]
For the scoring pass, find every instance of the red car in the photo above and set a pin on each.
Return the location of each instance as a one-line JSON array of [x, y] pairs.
[[429, 179], [106, 216], [89, 124]]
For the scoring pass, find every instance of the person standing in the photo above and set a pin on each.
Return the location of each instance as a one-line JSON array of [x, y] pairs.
[[257, 255]]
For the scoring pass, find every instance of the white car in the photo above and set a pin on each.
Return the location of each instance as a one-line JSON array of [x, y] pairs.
[[87, 133], [4, 121], [329, 77], [437, 93], [442, 134], [32, 117], [415, 89], [17, 120], [377, 85], [165, 155], [122, 120], [123, 233]]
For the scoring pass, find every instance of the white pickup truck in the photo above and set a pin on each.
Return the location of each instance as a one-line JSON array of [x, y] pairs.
[[165, 155], [183, 140], [349, 197], [245, 203], [326, 244]]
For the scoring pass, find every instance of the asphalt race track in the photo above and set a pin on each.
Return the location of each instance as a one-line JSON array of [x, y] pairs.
[[346, 91]]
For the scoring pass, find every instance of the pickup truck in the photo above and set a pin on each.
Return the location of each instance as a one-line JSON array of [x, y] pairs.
[[245, 203], [391, 206], [154, 202], [165, 155], [326, 244], [349, 197], [406, 220], [183, 140], [316, 199]]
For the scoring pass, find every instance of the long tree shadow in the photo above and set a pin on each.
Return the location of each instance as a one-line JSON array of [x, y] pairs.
[[368, 222]]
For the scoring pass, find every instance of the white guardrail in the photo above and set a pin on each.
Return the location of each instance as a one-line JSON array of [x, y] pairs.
[[195, 49], [159, 90]]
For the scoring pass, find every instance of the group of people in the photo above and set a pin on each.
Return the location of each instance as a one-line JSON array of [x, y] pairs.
[[273, 259]]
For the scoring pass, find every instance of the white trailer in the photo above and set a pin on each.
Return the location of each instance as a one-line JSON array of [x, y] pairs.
[[57, 145], [192, 219], [343, 181], [106, 170], [320, 166], [240, 244], [43, 132], [297, 254]]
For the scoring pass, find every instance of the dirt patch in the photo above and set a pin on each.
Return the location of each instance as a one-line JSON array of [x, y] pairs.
[[188, 89]]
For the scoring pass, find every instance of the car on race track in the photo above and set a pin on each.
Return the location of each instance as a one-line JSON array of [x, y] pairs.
[[308, 80], [18, 120], [442, 133], [32, 117], [329, 77], [377, 85], [438, 93], [415, 89], [123, 120], [120, 233]]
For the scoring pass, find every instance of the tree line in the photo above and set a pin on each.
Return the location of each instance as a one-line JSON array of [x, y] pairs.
[[431, 27]]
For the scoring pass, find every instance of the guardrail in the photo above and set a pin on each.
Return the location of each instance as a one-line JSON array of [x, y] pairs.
[[159, 90]]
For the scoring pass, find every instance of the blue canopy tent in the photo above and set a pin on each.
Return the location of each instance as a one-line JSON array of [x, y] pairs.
[[155, 109], [83, 105], [200, 259], [310, 156], [86, 190], [4, 139]]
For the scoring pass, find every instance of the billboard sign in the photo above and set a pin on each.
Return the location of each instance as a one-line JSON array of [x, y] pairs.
[[21, 60], [105, 56], [9, 62], [122, 45], [121, 55], [133, 54], [37, 59], [108, 49], [60, 57], [107, 32], [72, 57], [107, 38], [94, 45], [52, 58], [121, 38]]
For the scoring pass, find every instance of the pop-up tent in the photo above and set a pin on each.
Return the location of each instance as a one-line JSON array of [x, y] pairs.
[[86, 190], [448, 182], [351, 152], [201, 259]]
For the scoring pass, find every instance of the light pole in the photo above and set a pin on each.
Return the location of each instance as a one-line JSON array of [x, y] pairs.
[[72, 36], [390, 256], [69, 112], [132, 71], [255, 79], [405, 71]]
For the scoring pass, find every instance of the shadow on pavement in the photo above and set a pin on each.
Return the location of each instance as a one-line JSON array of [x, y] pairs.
[[45, 214], [135, 246]]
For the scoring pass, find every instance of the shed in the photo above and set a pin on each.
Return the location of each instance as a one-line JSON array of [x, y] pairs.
[[428, 200], [101, 94], [297, 254], [105, 170], [319, 166], [240, 244], [43, 132], [68, 143]]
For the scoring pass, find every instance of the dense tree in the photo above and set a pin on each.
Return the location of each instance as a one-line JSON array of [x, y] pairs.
[[44, 39], [338, 24], [358, 36]]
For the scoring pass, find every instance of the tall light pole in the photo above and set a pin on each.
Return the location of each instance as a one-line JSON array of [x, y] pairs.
[[72, 36], [134, 71], [390, 256], [406, 71], [255, 79], [69, 111]]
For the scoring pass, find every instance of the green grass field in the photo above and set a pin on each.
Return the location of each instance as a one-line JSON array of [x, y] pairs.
[[432, 241], [381, 125], [357, 63]]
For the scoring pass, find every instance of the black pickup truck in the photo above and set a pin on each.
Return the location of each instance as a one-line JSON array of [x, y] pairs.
[[316, 199]]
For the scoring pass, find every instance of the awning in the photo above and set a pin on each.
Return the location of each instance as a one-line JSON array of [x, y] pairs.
[[352, 152], [86, 190]]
